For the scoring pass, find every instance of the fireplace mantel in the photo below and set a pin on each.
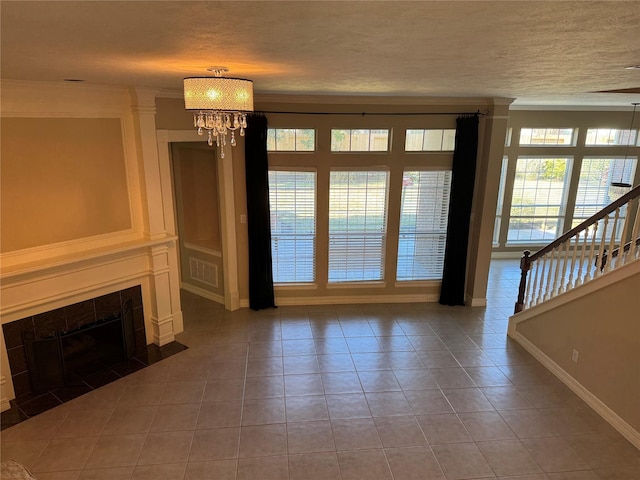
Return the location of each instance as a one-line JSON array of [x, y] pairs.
[[35, 287]]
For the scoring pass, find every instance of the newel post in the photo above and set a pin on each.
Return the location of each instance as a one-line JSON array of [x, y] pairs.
[[524, 269]]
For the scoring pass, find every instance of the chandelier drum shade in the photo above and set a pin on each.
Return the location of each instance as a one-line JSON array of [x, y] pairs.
[[220, 105]]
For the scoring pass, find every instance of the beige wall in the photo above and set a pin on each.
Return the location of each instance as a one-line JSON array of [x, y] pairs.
[[62, 179], [603, 327]]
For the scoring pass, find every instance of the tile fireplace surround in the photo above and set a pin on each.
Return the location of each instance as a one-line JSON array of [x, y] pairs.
[[126, 303]]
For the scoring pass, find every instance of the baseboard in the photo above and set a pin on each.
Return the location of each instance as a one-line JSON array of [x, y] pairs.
[[201, 292], [475, 302], [350, 299], [589, 398]]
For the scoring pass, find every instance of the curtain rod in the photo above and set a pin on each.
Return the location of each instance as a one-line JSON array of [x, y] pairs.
[[399, 114]]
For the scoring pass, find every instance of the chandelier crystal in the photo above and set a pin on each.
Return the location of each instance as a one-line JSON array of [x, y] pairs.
[[220, 105]]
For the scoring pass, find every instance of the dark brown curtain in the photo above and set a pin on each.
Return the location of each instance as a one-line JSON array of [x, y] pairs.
[[462, 181], [258, 215]]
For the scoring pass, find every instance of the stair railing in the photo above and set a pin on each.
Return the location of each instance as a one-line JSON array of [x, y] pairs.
[[582, 254]]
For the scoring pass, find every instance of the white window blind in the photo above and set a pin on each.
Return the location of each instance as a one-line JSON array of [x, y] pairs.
[[357, 225], [292, 200], [423, 224]]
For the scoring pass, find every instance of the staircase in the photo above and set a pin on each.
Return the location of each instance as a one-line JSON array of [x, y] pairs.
[[602, 243]]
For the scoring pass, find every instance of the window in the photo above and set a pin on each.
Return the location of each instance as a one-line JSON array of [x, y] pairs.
[[609, 136], [433, 140], [357, 225], [360, 140], [423, 224], [595, 190], [507, 140], [291, 140], [550, 137], [292, 199], [498, 221], [538, 199]]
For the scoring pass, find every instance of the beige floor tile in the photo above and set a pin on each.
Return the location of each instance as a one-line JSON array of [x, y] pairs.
[[306, 384], [300, 364], [369, 464], [306, 408], [130, 419], [264, 387], [215, 444], [336, 362], [218, 470], [355, 434], [262, 411], [314, 466], [24, 452], [386, 404], [401, 431], [579, 475], [379, 381], [506, 398], [142, 394], [528, 423], [266, 366], [219, 414], [413, 463], [105, 397], [554, 454], [68, 475], [509, 457], [65, 454], [183, 392], [483, 426], [116, 451], [310, 437], [443, 428], [488, 376], [115, 473], [84, 423], [166, 447], [175, 417], [341, 382], [348, 405], [267, 468], [599, 451], [415, 379], [263, 440], [424, 402], [223, 390], [474, 464], [159, 472], [467, 400], [451, 377]]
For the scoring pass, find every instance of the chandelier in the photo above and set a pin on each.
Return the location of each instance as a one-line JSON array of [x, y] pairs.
[[220, 105]]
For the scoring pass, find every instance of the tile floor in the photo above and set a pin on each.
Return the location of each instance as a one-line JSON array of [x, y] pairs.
[[353, 392]]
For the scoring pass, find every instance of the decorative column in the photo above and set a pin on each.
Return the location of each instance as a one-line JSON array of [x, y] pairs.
[[164, 310]]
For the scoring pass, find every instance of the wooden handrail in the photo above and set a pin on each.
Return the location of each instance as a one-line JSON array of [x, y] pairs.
[[615, 253], [528, 258], [635, 192]]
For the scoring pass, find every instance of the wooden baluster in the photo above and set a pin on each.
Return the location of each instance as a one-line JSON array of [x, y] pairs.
[[531, 285], [585, 242], [634, 249], [588, 267], [612, 241], [622, 256], [549, 284], [540, 296], [601, 249], [570, 282], [557, 274], [565, 263], [524, 268]]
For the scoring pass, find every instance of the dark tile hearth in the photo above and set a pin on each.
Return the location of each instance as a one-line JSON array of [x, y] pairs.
[[31, 404]]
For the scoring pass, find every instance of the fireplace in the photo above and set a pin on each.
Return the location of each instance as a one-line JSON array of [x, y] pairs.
[[76, 345]]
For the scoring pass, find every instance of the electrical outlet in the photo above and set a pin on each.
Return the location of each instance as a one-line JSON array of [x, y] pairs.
[[243, 218], [575, 355]]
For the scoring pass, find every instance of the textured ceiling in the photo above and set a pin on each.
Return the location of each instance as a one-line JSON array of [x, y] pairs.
[[552, 52]]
